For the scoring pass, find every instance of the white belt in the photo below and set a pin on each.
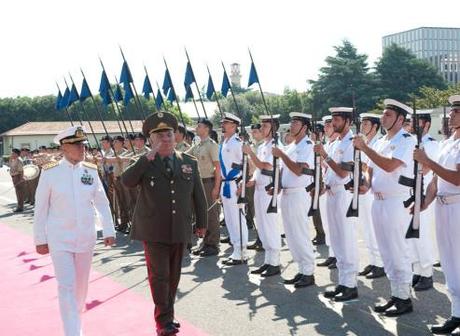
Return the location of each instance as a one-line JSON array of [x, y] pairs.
[[332, 190], [383, 196], [448, 199], [293, 190]]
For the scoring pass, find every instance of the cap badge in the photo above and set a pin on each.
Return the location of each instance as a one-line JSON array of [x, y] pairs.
[[160, 114]]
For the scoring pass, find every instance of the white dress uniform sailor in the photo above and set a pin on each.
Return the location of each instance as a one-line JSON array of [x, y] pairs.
[[267, 223], [390, 218], [231, 152], [295, 202], [342, 229]]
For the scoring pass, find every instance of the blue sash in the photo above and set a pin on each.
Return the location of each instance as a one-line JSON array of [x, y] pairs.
[[227, 177]]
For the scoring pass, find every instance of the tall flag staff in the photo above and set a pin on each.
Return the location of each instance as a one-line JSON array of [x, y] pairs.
[[159, 102], [147, 88], [170, 92], [69, 101], [211, 91], [60, 104], [189, 95], [125, 99], [191, 79]]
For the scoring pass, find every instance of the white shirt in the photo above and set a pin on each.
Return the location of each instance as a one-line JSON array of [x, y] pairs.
[[371, 144], [264, 154], [431, 147], [301, 152], [449, 158], [400, 147], [232, 152], [342, 151], [68, 202]]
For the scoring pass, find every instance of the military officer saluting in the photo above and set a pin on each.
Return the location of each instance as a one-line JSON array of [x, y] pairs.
[[69, 197], [170, 186]]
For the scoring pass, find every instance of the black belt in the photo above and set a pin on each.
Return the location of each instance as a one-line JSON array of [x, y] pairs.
[[228, 180], [208, 179]]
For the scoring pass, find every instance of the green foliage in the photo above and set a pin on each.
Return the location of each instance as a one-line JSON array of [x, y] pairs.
[[432, 97]]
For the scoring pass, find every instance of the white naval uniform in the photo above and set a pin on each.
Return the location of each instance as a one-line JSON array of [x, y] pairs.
[[447, 224], [230, 152], [423, 248], [342, 229], [267, 223], [365, 218], [70, 199], [390, 218], [295, 202]]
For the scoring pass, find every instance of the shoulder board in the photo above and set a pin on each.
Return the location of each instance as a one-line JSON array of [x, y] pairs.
[[351, 138], [212, 141], [89, 165], [237, 139], [431, 139], [406, 135], [50, 165], [309, 142]]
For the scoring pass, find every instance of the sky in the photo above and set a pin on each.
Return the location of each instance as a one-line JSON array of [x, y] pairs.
[[43, 41]]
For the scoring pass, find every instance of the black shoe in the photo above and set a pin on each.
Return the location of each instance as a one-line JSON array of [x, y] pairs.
[[384, 307], [333, 265], [327, 262], [18, 210], [234, 262], [438, 264], [448, 327], [271, 271], [122, 228], [415, 279], [366, 270], [337, 290], [283, 235], [293, 280], [261, 269], [225, 240], [305, 281], [257, 245], [424, 283], [176, 323], [169, 329], [222, 222], [347, 293], [377, 272], [400, 307], [319, 240]]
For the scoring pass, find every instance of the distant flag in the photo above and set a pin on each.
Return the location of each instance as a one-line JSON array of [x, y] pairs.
[[253, 78], [128, 93], [85, 92], [104, 89], [147, 87], [73, 96], [189, 77], [171, 95], [159, 100], [188, 93], [117, 95], [167, 83], [225, 85], [65, 99], [58, 101], [125, 76], [210, 89]]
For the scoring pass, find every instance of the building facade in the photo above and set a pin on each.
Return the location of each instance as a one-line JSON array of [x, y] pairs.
[[439, 46]]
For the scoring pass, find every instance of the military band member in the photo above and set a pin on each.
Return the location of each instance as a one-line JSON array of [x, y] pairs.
[[267, 223], [15, 164], [389, 158], [230, 153], [295, 200], [69, 197], [370, 125], [180, 136], [342, 229], [207, 154], [445, 189], [170, 186], [26, 157]]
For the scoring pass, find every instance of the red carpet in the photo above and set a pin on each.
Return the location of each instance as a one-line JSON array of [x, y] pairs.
[[29, 304]]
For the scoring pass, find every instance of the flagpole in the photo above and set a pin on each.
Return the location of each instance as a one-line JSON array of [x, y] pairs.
[[150, 84], [215, 93], [196, 84], [126, 107], [175, 95], [67, 112], [76, 112], [85, 113]]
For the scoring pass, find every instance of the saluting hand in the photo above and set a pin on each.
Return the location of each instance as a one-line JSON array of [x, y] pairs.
[[155, 144]]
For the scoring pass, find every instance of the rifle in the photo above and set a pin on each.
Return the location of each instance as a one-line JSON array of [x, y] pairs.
[[445, 124], [317, 175], [416, 183]]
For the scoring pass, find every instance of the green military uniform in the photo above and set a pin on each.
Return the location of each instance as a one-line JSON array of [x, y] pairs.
[[134, 192], [16, 173], [162, 217], [207, 152], [121, 192]]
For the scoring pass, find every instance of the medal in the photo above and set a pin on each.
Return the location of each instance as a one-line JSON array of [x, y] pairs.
[[87, 178]]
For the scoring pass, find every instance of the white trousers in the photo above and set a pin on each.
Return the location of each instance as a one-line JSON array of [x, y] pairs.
[[365, 220], [232, 215], [448, 233], [294, 212], [72, 274], [391, 221], [422, 249], [343, 236], [323, 211], [267, 226]]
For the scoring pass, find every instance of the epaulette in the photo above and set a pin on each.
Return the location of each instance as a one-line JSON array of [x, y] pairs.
[[406, 135], [89, 165], [431, 139], [50, 165], [309, 142], [237, 139]]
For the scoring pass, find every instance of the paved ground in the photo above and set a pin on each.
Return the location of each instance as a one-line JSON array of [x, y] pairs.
[[229, 301]]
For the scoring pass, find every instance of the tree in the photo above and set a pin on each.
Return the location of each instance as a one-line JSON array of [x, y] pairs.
[[400, 74]]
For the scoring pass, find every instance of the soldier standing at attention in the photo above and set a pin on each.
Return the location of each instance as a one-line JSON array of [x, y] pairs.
[[180, 136], [15, 164], [170, 187], [69, 197]]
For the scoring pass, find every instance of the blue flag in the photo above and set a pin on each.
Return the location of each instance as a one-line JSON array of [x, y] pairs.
[[117, 95], [167, 83], [85, 92], [253, 78], [189, 76], [125, 76], [171, 96], [159, 100], [65, 99], [73, 96], [104, 89], [188, 93], [210, 89], [225, 85], [147, 87], [58, 101], [128, 93]]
